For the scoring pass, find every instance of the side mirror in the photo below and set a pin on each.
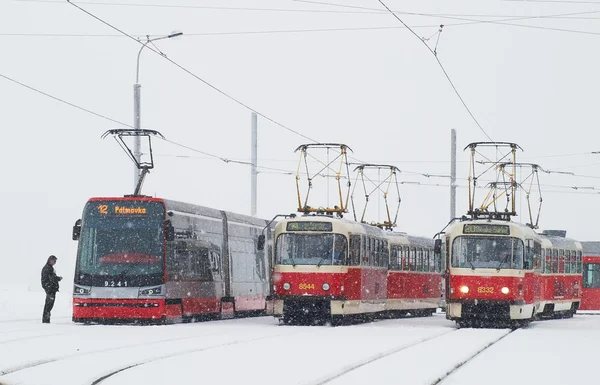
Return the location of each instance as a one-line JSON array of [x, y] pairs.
[[437, 247], [77, 230], [260, 245], [169, 231]]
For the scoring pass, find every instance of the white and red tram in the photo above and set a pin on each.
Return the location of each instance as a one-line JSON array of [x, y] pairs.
[[328, 268], [414, 276], [490, 277], [560, 275]]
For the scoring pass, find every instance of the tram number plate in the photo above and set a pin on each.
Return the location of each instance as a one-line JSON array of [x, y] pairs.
[[485, 290], [305, 286], [115, 283]]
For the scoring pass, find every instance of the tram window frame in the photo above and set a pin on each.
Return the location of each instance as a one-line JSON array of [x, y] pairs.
[[579, 262], [554, 261], [393, 257], [528, 261], [537, 258], [405, 255], [548, 262], [567, 261], [573, 261], [354, 252], [561, 261], [385, 257], [412, 259], [364, 259]]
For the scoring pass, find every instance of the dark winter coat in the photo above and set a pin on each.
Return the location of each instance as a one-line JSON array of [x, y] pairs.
[[49, 279]]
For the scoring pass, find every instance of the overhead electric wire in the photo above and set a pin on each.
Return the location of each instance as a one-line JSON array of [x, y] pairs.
[[64, 101], [194, 75], [469, 21], [443, 69]]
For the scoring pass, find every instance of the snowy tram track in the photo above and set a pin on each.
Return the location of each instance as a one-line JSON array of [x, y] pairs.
[[432, 354], [469, 359], [40, 362], [180, 353], [345, 370]]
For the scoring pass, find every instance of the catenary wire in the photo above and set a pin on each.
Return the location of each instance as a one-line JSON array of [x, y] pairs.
[[443, 69], [194, 75]]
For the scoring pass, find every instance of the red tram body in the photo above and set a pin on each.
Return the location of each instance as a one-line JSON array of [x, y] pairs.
[[143, 259], [330, 268], [496, 273], [559, 279], [591, 276]]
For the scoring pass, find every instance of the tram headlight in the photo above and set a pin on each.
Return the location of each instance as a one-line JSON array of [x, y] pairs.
[[287, 286], [464, 289], [505, 290], [151, 291], [80, 290], [325, 286]]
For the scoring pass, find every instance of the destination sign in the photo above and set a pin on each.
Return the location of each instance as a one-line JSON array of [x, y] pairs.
[[121, 210], [483, 228], [309, 226]]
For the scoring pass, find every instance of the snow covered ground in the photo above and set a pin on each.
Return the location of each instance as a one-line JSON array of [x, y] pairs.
[[259, 351]]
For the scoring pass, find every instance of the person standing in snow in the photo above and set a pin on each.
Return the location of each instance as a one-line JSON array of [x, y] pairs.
[[50, 284]]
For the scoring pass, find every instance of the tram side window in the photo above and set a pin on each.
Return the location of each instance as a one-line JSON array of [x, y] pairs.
[[385, 254], [528, 255], [591, 275], [548, 261], [579, 261], [573, 262], [364, 254], [393, 258], [412, 259], [405, 254], [537, 253], [554, 261], [568, 261], [354, 250]]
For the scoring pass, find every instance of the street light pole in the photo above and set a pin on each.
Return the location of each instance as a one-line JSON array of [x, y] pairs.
[[137, 88]]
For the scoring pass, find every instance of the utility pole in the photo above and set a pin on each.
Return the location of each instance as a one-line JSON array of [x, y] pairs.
[[136, 125], [452, 174], [137, 90], [254, 160]]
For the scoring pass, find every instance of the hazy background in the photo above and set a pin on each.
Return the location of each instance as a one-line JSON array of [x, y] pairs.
[[379, 90]]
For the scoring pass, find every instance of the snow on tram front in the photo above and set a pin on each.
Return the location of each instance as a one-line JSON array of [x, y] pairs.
[[318, 275], [120, 270], [490, 272]]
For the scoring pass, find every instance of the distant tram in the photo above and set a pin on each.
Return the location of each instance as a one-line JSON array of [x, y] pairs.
[[591, 276], [333, 269], [148, 259]]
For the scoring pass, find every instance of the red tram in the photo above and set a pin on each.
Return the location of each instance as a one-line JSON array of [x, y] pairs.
[[591, 276], [502, 272], [143, 258], [331, 269], [559, 280], [490, 272]]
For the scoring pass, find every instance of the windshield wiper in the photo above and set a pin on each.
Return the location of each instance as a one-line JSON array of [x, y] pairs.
[[503, 262], [472, 266], [323, 259]]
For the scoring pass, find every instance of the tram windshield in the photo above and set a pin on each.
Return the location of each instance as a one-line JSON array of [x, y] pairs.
[[591, 275], [487, 252], [121, 244], [311, 249]]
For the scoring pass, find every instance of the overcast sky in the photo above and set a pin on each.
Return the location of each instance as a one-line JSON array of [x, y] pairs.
[[368, 84]]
